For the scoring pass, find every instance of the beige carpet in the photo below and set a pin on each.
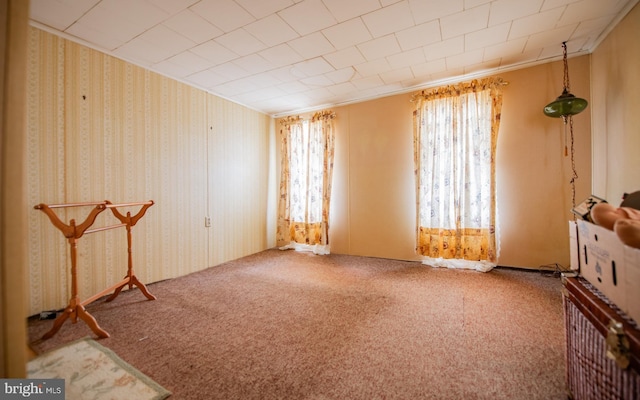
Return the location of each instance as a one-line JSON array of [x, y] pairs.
[[288, 325]]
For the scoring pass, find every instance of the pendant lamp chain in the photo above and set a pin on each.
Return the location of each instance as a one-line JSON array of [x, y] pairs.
[[566, 68], [569, 119]]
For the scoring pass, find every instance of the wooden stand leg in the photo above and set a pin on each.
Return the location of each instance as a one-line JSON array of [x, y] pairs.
[[75, 310], [130, 279], [57, 324], [89, 320]]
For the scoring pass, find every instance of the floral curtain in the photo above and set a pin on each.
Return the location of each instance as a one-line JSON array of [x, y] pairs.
[[305, 182], [455, 137]]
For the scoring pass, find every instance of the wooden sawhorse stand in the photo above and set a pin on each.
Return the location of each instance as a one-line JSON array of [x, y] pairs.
[[73, 233]]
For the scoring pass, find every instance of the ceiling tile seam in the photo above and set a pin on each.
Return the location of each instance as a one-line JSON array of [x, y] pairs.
[[80, 17]]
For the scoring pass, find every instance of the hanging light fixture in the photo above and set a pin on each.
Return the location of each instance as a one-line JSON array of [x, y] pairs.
[[566, 104], [565, 107]]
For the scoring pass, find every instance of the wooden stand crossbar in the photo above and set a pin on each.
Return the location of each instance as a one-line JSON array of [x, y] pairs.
[[73, 233]]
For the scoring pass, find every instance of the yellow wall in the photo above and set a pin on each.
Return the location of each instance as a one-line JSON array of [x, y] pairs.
[[373, 204], [100, 128], [616, 117]]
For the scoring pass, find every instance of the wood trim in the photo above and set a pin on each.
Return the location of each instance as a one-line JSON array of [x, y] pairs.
[[14, 20]]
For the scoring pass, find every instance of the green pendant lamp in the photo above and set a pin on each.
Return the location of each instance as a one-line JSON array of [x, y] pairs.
[[566, 104]]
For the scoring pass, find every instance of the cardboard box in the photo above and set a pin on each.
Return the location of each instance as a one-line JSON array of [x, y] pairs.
[[573, 246], [611, 266]]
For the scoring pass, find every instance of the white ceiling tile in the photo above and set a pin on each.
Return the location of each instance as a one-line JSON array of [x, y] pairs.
[[396, 75], [464, 22], [293, 87], [406, 58], [387, 20], [140, 13], [515, 46], [214, 52], [230, 71], [389, 2], [170, 41], [475, 3], [413, 83], [183, 64], [507, 10], [375, 67], [466, 58], [550, 4], [225, 14], [589, 30], [444, 49], [308, 16], [262, 94], [428, 68], [341, 75], [534, 23], [589, 9], [343, 58], [523, 57], [234, 88], [281, 55], [312, 45], [59, 14], [559, 35], [429, 10], [347, 34], [253, 64], [344, 10], [316, 81], [193, 26], [342, 88], [316, 66], [144, 54], [241, 41], [368, 82], [450, 75], [98, 37], [285, 74], [486, 37], [555, 51], [173, 6], [261, 8], [378, 48], [206, 79], [483, 66], [156, 44], [420, 35], [271, 30], [263, 80], [318, 93], [117, 21]]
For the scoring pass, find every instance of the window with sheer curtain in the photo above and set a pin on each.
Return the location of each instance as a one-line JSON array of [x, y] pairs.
[[455, 137], [305, 182]]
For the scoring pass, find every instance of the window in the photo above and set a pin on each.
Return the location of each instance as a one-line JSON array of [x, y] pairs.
[[305, 183], [455, 136]]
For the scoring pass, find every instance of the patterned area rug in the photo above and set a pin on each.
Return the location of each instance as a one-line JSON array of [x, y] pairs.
[[92, 371]]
